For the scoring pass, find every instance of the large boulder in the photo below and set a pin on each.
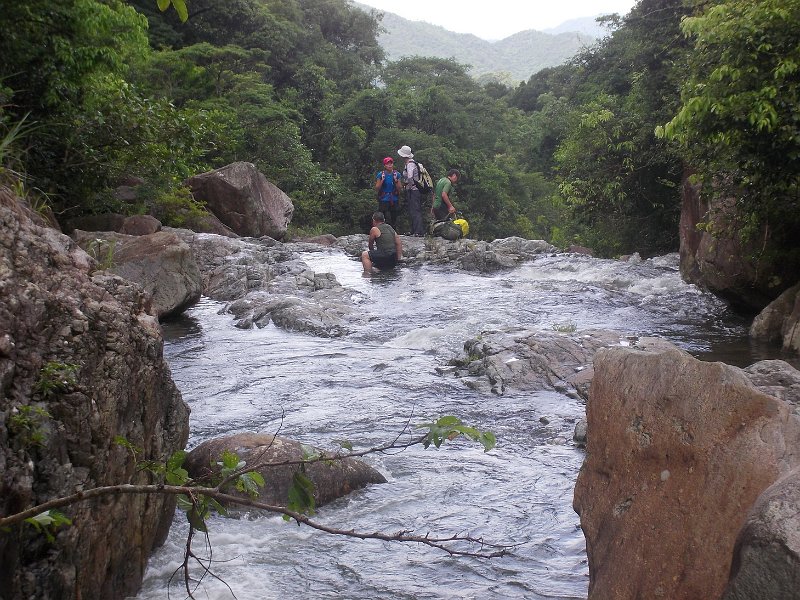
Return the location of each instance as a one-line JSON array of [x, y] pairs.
[[766, 563], [747, 271], [242, 198], [521, 359], [140, 225], [780, 320], [81, 365], [280, 459], [678, 452], [162, 263]]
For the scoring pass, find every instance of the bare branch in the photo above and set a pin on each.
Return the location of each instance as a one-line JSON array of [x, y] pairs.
[[231, 500]]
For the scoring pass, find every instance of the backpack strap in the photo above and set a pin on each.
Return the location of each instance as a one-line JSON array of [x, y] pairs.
[[393, 195], [416, 179]]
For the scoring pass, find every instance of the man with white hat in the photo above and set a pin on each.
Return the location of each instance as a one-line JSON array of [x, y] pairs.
[[413, 196]]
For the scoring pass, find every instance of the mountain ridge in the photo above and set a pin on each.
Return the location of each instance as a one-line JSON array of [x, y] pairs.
[[509, 60]]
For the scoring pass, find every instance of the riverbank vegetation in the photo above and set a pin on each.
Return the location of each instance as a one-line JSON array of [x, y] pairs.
[[94, 93]]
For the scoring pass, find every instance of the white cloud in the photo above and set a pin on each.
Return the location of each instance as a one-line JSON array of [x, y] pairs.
[[499, 18]]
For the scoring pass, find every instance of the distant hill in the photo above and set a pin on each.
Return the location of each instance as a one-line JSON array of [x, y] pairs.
[[509, 60], [586, 25]]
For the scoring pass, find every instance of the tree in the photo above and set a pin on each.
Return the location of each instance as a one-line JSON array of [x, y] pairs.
[[593, 128], [199, 498], [179, 5], [66, 66], [740, 110]]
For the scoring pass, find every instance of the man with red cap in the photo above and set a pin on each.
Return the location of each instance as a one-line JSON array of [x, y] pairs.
[[388, 185]]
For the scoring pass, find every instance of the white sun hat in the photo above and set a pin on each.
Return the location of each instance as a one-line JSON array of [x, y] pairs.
[[405, 152]]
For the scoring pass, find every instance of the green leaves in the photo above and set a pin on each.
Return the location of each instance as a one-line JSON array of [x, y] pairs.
[[48, 521], [450, 427], [56, 378], [230, 462], [180, 8], [740, 103], [28, 424], [175, 474], [301, 495], [198, 508], [739, 122], [250, 483]]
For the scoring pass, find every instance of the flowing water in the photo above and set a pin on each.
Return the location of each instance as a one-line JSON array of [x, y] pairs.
[[367, 386]]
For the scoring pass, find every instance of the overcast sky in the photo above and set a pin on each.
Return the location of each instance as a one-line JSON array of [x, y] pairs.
[[497, 19]]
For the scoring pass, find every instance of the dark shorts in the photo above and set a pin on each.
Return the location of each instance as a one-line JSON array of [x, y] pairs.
[[441, 212], [382, 261], [390, 211]]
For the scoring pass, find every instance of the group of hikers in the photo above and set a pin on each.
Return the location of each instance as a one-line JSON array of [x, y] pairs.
[[385, 246]]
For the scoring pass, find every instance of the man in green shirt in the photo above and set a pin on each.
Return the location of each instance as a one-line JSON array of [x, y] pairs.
[[442, 205], [385, 246]]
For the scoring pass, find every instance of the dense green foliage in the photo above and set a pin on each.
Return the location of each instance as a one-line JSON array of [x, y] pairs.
[[740, 118], [595, 119], [94, 92]]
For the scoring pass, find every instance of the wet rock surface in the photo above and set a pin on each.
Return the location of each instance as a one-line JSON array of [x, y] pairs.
[[81, 365], [280, 458], [534, 360], [265, 280], [678, 452]]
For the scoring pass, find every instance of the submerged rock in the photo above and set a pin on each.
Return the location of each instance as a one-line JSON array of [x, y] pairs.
[[265, 281], [280, 456], [534, 360]]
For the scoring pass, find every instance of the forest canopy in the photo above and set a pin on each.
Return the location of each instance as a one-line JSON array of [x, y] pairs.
[[98, 92]]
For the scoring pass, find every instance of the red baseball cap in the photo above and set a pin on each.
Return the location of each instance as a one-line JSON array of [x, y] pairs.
[[388, 159]]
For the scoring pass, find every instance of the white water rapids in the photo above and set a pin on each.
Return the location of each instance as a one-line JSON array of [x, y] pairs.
[[366, 386]]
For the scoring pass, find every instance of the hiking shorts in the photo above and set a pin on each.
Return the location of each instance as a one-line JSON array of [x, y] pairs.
[[381, 260], [440, 212]]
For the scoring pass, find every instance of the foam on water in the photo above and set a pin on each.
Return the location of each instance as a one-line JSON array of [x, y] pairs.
[[379, 382]]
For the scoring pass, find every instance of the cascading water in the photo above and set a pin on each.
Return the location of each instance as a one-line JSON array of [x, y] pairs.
[[365, 387]]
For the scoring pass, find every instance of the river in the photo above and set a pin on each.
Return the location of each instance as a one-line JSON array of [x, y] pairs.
[[365, 387]]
